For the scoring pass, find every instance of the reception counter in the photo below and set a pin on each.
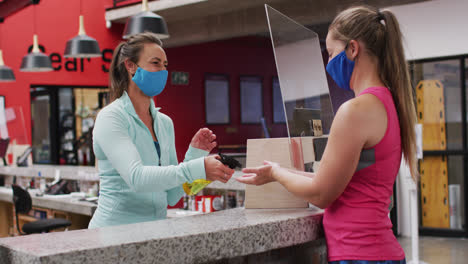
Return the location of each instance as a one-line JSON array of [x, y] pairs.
[[238, 235], [66, 206]]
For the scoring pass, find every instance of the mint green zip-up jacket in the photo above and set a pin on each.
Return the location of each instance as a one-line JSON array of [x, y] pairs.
[[133, 188]]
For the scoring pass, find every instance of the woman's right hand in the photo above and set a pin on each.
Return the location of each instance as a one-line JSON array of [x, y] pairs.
[[217, 171]]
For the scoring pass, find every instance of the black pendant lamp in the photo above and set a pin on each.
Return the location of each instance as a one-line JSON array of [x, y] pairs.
[[6, 73], [82, 46], [146, 21], [36, 61]]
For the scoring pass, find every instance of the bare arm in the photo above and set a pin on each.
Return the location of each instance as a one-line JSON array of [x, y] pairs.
[[355, 123]]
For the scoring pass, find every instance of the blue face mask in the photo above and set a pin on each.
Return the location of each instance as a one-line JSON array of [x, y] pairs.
[[340, 69], [151, 83]]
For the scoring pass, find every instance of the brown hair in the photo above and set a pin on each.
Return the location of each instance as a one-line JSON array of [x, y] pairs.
[[380, 32], [130, 49]]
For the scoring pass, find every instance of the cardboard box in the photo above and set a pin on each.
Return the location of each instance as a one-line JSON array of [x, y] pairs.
[[301, 155]]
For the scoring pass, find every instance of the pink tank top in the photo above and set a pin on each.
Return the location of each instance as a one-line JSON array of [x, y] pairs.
[[357, 225]]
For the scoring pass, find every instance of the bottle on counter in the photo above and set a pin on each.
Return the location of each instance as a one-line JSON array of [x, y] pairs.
[[231, 200], [240, 198], [32, 183], [192, 203], [42, 183], [186, 202]]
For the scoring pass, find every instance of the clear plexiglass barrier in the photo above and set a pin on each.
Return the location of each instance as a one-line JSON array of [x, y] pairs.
[[303, 82]]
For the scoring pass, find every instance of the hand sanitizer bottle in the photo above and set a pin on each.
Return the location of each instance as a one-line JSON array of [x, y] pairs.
[[42, 183]]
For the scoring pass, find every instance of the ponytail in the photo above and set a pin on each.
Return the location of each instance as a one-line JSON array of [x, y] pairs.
[[394, 73], [118, 74]]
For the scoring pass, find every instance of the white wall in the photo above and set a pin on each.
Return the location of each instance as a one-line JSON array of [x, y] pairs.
[[434, 28]]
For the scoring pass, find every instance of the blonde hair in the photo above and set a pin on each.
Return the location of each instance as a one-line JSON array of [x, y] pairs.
[[380, 32], [130, 49]]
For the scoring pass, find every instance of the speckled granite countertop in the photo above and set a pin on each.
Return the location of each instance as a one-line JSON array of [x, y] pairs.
[[195, 239], [65, 203]]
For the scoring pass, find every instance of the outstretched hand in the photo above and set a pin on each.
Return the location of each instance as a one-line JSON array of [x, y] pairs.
[[204, 139], [259, 175]]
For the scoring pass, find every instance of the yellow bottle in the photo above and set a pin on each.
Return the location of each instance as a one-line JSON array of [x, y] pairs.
[[196, 186]]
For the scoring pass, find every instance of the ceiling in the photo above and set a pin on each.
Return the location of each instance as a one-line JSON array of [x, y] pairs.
[[197, 21]]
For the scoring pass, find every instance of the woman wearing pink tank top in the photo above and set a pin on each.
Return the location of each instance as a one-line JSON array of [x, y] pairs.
[[367, 138]]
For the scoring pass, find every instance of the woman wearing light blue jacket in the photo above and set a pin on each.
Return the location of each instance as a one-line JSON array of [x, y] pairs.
[[134, 143]]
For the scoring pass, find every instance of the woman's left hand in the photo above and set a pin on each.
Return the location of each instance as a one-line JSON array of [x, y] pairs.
[[259, 175], [204, 139]]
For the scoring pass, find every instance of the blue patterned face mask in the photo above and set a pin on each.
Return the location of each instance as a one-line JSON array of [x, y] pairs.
[[340, 69], [151, 83]]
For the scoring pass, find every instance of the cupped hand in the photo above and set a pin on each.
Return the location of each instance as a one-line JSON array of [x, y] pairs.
[[259, 175], [217, 171], [204, 139]]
